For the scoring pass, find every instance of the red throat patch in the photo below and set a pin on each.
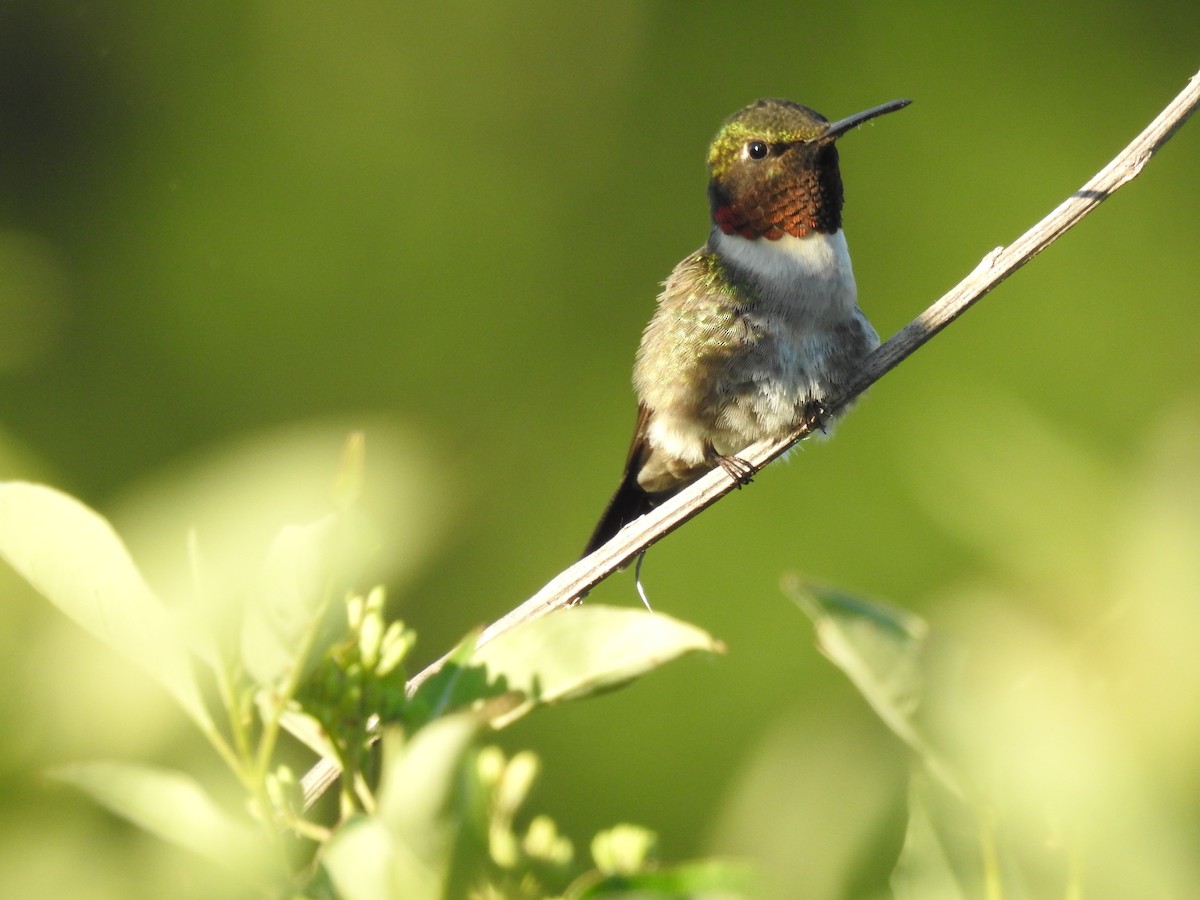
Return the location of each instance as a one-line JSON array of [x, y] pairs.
[[755, 224], [797, 203]]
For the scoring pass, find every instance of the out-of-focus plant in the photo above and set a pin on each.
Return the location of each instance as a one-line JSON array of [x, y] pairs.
[[1051, 728], [425, 808]]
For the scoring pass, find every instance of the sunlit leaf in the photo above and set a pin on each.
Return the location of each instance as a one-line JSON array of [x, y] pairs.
[[405, 849], [351, 471], [235, 495], [172, 806], [879, 648], [585, 650], [72, 556], [289, 603], [455, 684], [923, 869], [360, 860], [419, 777]]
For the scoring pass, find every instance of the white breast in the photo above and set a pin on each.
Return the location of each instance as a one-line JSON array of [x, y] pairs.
[[810, 274], [810, 331]]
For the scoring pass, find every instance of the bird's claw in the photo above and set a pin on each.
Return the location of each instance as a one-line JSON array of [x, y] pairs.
[[738, 469], [816, 416]]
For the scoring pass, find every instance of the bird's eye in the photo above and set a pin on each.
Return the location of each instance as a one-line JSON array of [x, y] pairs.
[[757, 149]]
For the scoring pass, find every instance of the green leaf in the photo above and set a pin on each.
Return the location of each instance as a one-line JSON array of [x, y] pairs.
[[923, 869], [419, 778], [453, 685], [289, 603], [172, 806], [879, 647], [72, 556], [405, 849], [360, 860], [585, 650]]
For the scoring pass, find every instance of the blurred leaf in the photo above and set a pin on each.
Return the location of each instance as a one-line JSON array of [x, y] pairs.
[[585, 650], [405, 849], [419, 776], [351, 471], [235, 495], [923, 869], [879, 647], [172, 806], [289, 603], [360, 862], [455, 684], [72, 556]]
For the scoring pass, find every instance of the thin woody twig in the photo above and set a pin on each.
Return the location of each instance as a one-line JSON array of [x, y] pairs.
[[573, 583]]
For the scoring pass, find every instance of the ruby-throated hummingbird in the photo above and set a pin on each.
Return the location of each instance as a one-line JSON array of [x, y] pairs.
[[759, 327]]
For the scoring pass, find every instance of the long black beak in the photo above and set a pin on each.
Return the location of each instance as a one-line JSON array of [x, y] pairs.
[[837, 129]]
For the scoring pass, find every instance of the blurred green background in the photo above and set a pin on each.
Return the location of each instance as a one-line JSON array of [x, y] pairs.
[[230, 232]]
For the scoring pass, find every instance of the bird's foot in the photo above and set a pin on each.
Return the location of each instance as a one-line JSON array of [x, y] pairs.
[[816, 416], [738, 469]]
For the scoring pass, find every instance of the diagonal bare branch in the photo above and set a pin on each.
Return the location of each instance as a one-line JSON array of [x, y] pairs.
[[573, 583]]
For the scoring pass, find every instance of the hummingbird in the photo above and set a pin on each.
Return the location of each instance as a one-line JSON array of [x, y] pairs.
[[757, 329]]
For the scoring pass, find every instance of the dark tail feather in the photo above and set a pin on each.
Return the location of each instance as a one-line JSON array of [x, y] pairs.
[[629, 502]]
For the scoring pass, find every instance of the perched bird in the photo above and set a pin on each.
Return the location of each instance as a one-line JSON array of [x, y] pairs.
[[758, 328]]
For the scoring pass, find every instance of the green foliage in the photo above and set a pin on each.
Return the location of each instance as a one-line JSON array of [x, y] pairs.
[[1011, 738], [1015, 789], [426, 811], [1024, 780], [174, 807], [879, 647], [74, 559]]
